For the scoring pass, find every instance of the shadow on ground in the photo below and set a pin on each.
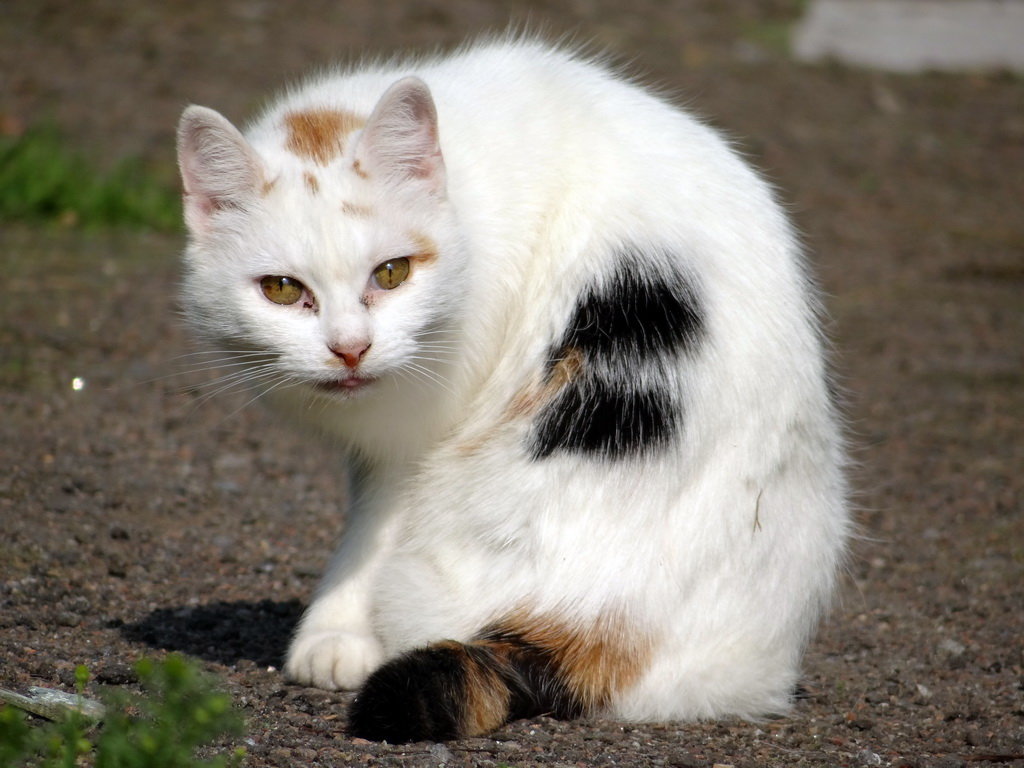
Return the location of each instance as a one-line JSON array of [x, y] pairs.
[[222, 632]]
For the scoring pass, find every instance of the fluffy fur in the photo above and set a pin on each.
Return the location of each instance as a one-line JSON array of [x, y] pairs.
[[595, 465]]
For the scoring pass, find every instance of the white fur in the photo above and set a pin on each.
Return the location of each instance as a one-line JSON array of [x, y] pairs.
[[721, 547]]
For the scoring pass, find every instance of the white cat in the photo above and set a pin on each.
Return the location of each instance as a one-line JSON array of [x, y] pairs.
[[564, 334]]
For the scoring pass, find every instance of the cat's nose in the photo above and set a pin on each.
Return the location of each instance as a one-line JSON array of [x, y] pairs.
[[350, 354]]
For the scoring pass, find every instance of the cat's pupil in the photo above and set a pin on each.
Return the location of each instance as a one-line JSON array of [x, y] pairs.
[[281, 290], [391, 273]]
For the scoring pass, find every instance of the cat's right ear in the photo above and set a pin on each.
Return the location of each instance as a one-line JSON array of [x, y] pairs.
[[219, 170], [400, 139]]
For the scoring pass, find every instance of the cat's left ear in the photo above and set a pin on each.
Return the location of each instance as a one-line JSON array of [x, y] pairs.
[[219, 170], [400, 139]]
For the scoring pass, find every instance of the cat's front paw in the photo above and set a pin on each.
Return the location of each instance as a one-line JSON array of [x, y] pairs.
[[332, 659]]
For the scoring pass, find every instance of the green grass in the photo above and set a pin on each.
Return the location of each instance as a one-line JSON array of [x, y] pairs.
[[179, 713], [773, 30], [42, 180]]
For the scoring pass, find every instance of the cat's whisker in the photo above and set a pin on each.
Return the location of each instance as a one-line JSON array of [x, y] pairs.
[[248, 384], [227, 353], [203, 400], [225, 359], [253, 360], [427, 350], [431, 332], [285, 381], [244, 371], [438, 348], [237, 380], [428, 359], [322, 403], [424, 364], [408, 376], [436, 342], [214, 365], [428, 375], [433, 337]]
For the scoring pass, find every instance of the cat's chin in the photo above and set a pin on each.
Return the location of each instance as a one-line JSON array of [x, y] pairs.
[[350, 386]]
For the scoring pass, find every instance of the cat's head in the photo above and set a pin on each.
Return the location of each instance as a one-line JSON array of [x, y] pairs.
[[324, 247]]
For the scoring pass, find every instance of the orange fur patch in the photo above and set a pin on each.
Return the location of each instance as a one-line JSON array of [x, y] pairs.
[[593, 662], [487, 697], [268, 187], [311, 182], [357, 167], [426, 249], [359, 211], [530, 399], [319, 134]]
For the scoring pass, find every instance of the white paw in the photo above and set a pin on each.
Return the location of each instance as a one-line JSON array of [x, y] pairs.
[[332, 659]]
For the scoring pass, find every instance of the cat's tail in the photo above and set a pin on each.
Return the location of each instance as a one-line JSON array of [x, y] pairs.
[[513, 669]]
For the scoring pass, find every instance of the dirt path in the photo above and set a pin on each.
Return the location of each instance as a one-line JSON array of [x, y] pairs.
[[138, 518]]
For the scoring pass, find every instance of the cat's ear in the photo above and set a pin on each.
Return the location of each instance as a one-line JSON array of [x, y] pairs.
[[219, 170], [400, 139]]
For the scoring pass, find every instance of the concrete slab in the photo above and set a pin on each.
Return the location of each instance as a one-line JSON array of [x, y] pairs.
[[914, 35]]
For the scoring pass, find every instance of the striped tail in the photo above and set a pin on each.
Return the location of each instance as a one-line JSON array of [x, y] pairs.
[[515, 669]]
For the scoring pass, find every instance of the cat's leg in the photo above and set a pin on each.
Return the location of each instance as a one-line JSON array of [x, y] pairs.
[[335, 646]]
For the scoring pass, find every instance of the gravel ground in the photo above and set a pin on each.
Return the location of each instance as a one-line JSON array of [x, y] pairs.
[[140, 516]]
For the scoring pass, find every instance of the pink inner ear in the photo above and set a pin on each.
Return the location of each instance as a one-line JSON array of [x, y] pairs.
[[219, 169], [401, 136], [425, 134], [427, 165], [201, 204]]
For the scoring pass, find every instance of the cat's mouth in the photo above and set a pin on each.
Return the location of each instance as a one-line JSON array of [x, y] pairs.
[[347, 385]]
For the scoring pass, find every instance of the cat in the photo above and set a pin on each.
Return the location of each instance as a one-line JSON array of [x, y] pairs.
[[565, 337]]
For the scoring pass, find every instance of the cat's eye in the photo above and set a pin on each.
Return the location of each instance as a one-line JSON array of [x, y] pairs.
[[282, 290], [392, 273]]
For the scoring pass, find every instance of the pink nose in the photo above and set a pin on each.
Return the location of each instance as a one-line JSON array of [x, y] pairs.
[[351, 354]]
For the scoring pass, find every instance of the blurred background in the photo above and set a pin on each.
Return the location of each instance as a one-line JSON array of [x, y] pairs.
[[137, 515]]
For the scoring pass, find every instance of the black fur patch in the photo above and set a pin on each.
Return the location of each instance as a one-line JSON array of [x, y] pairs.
[[639, 320], [592, 417], [635, 315], [423, 694], [417, 697]]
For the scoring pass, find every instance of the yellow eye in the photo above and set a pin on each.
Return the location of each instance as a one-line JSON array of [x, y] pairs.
[[282, 290], [392, 273]]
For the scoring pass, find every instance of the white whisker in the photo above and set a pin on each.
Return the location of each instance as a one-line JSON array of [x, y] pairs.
[[202, 367], [429, 375], [407, 376], [227, 353], [236, 380], [285, 381], [437, 348]]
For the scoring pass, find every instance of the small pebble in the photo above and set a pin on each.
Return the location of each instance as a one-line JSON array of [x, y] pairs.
[[442, 754]]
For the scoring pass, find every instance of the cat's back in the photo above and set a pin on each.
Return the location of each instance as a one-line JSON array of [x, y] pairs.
[[521, 73], [518, 97]]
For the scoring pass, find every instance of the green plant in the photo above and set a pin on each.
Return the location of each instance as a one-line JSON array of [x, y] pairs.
[[41, 179], [179, 712]]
